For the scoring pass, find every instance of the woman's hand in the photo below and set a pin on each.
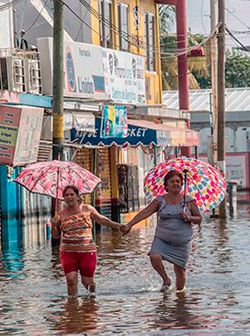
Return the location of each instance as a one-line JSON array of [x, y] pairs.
[[55, 220], [55, 229], [186, 217], [125, 229]]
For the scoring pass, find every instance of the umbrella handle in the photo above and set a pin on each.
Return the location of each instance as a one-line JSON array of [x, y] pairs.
[[185, 171], [57, 183]]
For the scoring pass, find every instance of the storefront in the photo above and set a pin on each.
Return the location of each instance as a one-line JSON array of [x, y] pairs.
[[121, 163]]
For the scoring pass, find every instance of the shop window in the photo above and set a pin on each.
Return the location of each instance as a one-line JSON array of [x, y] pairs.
[[128, 181], [149, 22], [123, 26], [106, 23]]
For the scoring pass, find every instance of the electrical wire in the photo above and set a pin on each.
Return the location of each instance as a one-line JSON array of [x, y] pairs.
[[155, 50], [236, 40], [237, 18], [34, 22], [8, 4], [116, 30]]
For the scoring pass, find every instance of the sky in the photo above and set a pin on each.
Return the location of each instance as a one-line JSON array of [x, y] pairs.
[[237, 18]]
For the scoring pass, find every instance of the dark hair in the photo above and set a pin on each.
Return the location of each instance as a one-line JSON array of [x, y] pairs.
[[76, 191], [169, 175]]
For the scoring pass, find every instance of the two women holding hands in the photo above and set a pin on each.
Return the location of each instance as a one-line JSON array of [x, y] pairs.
[[172, 240]]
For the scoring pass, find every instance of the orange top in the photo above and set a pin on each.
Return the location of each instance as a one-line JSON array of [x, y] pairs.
[[76, 233]]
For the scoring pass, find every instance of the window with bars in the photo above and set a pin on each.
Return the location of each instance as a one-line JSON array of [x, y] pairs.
[[123, 26], [149, 22], [106, 23]]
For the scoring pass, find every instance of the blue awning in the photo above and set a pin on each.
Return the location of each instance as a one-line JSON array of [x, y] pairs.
[[136, 136]]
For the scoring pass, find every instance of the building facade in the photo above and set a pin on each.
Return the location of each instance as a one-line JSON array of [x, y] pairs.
[[111, 57]]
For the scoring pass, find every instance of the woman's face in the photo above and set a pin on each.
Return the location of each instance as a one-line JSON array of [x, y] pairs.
[[70, 197], [174, 184]]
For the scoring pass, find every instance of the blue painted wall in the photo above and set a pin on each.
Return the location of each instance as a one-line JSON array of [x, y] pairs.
[[11, 207], [10, 194]]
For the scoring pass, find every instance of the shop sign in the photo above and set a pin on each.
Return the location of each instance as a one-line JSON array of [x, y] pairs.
[[81, 121], [124, 77], [114, 122], [83, 68], [135, 136], [20, 131]]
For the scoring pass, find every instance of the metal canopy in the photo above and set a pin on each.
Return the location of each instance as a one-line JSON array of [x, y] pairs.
[[236, 100]]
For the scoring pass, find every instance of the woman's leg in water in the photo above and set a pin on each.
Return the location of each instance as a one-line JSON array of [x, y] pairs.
[[156, 261]]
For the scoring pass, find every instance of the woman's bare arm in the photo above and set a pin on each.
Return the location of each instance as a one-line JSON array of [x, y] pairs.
[[143, 214], [195, 217], [102, 220], [55, 226]]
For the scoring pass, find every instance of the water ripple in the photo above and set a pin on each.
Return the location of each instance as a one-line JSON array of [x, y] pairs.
[[128, 300]]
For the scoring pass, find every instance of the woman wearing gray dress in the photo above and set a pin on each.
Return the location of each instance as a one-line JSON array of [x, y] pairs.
[[173, 235]]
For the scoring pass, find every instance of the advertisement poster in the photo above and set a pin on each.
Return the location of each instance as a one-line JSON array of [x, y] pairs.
[[9, 122], [237, 169], [29, 134], [124, 77], [20, 131], [83, 68], [114, 122]]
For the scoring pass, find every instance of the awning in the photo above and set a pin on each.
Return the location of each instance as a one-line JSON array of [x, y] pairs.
[[140, 132], [168, 135], [81, 121]]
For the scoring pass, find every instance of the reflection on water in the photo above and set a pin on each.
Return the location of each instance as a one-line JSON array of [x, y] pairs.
[[76, 316], [33, 297]]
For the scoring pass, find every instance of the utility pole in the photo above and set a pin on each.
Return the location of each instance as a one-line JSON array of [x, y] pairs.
[[58, 81], [221, 97], [58, 86], [213, 99], [182, 45]]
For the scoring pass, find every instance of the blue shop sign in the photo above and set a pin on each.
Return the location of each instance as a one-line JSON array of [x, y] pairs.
[[136, 136]]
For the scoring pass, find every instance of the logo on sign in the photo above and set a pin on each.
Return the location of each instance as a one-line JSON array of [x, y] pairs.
[[70, 70]]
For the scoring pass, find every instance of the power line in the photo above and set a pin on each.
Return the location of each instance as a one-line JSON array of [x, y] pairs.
[[155, 49], [26, 30], [237, 18], [236, 40], [8, 4]]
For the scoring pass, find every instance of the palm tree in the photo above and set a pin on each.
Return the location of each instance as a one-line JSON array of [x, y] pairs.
[[167, 18], [196, 65]]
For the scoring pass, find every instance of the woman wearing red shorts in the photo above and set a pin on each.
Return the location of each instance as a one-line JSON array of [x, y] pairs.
[[78, 250]]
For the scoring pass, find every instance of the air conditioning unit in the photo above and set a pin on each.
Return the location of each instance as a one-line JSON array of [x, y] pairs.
[[15, 73], [32, 76]]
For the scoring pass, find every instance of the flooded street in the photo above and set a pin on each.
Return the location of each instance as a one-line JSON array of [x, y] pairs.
[[128, 300]]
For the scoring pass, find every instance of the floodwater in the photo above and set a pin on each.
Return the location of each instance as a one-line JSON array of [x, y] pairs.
[[128, 300]]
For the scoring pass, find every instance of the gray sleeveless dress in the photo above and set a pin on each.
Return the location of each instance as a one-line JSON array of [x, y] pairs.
[[172, 235]]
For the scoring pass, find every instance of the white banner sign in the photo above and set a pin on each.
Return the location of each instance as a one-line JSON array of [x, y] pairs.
[[83, 68], [95, 72], [124, 77]]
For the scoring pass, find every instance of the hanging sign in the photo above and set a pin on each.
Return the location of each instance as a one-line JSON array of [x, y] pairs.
[[114, 122], [20, 130]]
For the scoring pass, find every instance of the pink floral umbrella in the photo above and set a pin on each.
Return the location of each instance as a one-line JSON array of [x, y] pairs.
[[204, 183], [50, 178]]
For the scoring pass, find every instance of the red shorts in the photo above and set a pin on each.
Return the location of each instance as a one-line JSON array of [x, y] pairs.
[[85, 262]]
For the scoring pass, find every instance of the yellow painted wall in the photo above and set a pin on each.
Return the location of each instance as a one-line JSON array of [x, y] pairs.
[[153, 79]]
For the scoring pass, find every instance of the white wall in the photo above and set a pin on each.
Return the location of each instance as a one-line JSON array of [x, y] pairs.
[[35, 17], [6, 26], [236, 141]]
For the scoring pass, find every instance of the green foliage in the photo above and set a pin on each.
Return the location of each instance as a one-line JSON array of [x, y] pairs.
[[203, 81], [167, 18], [237, 72]]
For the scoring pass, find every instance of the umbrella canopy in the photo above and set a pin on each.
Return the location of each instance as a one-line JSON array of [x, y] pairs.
[[50, 178], [205, 184]]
